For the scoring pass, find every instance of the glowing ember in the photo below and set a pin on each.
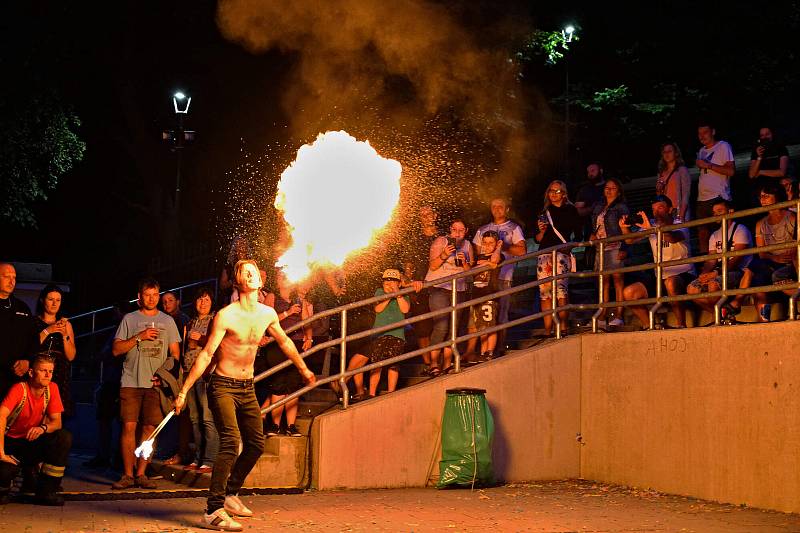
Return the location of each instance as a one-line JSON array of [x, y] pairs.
[[335, 197], [145, 449]]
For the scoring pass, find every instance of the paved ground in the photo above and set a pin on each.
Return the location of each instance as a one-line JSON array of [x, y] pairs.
[[562, 506]]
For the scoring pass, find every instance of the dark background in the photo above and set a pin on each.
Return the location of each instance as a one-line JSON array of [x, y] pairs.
[[111, 218]]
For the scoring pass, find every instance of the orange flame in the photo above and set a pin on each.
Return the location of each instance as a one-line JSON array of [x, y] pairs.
[[335, 197]]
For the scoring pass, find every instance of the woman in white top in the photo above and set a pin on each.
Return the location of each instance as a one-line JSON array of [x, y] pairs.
[[449, 255]]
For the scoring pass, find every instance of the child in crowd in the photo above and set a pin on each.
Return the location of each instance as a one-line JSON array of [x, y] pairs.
[[484, 314], [390, 343]]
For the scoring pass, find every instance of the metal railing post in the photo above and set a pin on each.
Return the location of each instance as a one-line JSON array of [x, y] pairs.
[[343, 362], [554, 294], [659, 271], [600, 266], [454, 326], [724, 270]]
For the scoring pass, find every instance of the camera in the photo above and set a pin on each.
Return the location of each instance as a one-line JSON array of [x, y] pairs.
[[543, 218], [636, 218], [451, 241]]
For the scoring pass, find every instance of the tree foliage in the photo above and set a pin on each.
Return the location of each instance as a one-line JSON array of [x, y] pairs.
[[39, 142]]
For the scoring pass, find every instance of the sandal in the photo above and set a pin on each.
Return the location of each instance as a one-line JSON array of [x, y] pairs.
[[434, 371], [448, 370], [174, 460]]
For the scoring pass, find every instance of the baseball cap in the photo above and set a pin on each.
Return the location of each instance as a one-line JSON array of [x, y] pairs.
[[662, 198], [391, 274]]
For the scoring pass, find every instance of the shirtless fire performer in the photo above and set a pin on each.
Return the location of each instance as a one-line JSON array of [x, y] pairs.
[[236, 330]]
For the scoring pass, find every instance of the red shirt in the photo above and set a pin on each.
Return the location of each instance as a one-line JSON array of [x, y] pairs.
[[32, 412]]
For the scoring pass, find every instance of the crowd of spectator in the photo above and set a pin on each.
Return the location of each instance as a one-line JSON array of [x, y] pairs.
[[155, 345]]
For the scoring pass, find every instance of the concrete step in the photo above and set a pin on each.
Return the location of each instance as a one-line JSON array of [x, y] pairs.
[[282, 465]]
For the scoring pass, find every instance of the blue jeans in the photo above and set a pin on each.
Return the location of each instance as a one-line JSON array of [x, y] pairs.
[[235, 408], [206, 439], [440, 299]]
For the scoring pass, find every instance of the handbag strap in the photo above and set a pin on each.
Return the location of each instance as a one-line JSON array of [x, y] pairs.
[[555, 229]]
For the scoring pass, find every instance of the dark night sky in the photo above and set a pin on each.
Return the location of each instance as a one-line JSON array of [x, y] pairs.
[[118, 63]]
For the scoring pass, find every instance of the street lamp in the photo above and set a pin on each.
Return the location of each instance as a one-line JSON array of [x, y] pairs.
[[180, 97], [567, 34], [179, 137]]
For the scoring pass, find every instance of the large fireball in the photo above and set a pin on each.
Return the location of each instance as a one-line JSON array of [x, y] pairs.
[[335, 197]]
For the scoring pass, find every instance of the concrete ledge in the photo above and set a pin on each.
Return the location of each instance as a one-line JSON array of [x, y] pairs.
[[709, 412], [394, 441]]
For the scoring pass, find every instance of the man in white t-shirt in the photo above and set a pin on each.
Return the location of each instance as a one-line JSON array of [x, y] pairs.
[[513, 245], [739, 276], [674, 245], [715, 161]]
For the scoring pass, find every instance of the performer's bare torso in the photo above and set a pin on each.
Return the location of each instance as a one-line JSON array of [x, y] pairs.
[[244, 323]]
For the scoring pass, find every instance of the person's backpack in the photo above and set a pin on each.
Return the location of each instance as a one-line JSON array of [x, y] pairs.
[[12, 417]]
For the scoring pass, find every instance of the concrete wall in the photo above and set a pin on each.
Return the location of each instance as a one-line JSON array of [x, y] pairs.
[[395, 442], [709, 412]]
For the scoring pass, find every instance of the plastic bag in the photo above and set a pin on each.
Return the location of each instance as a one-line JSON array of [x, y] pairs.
[[467, 436]]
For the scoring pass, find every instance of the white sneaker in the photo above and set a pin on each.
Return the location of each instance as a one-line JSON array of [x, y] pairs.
[[616, 322], [235, 507], [221, 521]]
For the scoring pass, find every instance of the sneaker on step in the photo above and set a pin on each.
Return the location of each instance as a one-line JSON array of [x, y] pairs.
[[221, 521], [125, 482], [616, 322], [273, 429], [235, 507], [292, 431]]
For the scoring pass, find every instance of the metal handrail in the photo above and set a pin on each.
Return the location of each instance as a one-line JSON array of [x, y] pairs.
[[94, 330], [600, 273]]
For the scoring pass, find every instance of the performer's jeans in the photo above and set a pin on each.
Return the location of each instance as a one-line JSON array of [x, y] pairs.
[[235, 408]]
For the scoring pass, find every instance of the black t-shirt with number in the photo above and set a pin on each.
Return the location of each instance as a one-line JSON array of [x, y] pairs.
[[485, 282]]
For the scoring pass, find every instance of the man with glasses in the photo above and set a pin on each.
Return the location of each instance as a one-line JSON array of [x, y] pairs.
[[510, 234]]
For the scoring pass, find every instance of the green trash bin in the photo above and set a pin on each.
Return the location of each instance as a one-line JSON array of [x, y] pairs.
[[467, 435]]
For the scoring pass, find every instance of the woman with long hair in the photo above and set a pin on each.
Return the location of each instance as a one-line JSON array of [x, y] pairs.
[[557, 224], [57, 339], [605, 223], [195, 335], [674, 180]]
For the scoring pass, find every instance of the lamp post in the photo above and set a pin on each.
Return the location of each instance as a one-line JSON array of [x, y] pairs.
[[566, 36], [179, 137]]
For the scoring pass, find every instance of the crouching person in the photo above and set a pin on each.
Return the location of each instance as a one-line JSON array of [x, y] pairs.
[[31, 434]]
